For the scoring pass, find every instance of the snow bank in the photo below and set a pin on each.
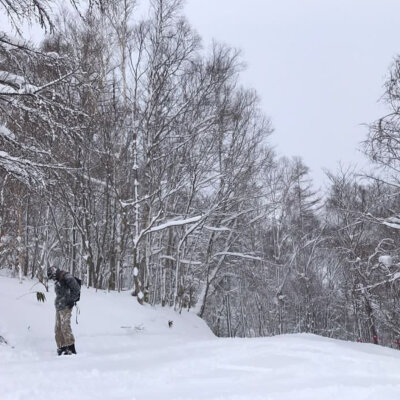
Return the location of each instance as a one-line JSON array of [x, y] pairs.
[[128, 352]]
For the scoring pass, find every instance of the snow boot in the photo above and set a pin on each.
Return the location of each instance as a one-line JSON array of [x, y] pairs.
[[61, 350], [71, 349]]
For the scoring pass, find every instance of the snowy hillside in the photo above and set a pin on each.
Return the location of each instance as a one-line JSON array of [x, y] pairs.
[[128, 352]]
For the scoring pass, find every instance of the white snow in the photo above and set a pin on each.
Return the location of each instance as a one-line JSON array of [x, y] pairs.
[[22, 168], [392, 222], [241, 255], [128, 352], [175, 222], [15, 84], [192, 262], [6, 132], [387, 261], [217, 229]]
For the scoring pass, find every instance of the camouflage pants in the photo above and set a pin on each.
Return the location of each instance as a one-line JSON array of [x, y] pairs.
[[63, 331]]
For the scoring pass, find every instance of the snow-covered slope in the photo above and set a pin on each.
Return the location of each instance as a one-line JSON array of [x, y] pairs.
[[128, 352]]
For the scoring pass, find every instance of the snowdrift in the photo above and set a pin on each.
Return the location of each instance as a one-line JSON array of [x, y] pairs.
[[129, 352]]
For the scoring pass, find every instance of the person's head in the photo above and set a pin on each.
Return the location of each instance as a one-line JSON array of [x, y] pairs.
[[52, 272]]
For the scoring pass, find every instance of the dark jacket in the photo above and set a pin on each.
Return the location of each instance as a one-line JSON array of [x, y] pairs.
[[67, 290]]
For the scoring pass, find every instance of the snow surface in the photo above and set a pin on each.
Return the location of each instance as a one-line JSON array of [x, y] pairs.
[[387, 261], [128, 352]]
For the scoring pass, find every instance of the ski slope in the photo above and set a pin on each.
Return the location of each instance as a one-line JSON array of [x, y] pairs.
[[128, 352]]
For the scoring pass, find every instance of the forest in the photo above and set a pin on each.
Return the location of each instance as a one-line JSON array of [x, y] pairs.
[[132, 156]]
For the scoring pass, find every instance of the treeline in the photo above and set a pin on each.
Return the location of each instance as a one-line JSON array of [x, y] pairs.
[[133, 157]]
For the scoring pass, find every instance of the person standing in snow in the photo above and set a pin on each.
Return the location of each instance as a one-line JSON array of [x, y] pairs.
[[67, 293]]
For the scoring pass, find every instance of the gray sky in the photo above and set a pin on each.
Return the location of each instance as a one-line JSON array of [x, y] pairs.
[[318, 66]]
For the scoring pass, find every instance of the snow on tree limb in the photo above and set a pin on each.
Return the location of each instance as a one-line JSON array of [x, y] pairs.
[[6, 133], [217, 228], [241, 255], [392, 222], [172, 223], [23, 170]]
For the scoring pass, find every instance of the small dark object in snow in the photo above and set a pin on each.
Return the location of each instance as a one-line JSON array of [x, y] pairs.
[[40, 296], [136, 328], [170, 323], [4, 341], [139, 328]]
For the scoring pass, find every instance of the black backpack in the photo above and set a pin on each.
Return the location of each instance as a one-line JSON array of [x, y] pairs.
[[80, 285]]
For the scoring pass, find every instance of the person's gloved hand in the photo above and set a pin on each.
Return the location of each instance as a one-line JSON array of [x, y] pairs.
[[70, 304]]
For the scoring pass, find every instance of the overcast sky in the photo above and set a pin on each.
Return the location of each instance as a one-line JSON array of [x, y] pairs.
[[318, 66]]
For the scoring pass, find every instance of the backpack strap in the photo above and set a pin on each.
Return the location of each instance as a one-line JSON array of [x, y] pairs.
[[78, 311]]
